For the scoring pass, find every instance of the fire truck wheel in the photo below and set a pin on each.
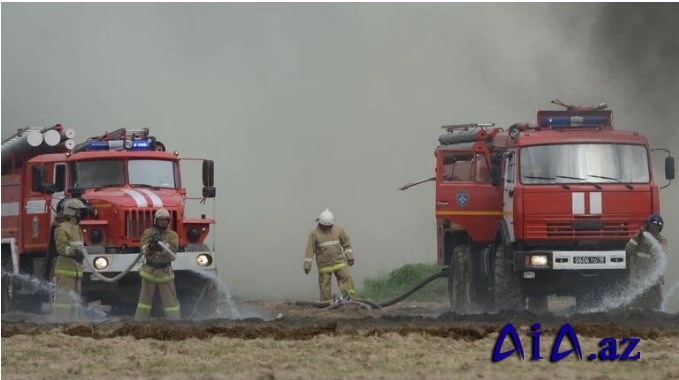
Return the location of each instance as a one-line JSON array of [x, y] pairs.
[[460, 280], [507, 290]]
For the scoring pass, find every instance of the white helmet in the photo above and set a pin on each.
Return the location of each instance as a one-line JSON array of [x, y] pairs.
[[326, 218], [161, 213], [72, 205]]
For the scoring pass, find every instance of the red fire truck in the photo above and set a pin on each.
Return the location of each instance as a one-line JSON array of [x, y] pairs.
[[123, 176], [542, 208]]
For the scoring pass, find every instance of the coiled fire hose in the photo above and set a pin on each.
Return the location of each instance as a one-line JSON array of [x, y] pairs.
[[127, 270]]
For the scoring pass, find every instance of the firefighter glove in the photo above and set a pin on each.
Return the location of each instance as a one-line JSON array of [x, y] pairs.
[[307, 267], [154, 241], [350, 262]]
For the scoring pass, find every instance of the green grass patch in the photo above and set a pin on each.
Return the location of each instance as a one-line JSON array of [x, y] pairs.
[[387, 286]]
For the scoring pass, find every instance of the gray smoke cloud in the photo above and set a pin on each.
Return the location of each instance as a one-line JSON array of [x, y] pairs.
[[308, 106], [635, 51]]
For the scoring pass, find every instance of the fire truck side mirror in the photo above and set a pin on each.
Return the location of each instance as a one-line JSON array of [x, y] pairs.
[[47, 188], [208, 173], [40, 185], [209, 192], [669, 168]]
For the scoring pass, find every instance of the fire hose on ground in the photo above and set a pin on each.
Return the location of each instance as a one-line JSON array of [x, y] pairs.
[[372, 304]]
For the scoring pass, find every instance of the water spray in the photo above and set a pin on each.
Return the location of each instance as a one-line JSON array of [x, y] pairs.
[[637, 286]]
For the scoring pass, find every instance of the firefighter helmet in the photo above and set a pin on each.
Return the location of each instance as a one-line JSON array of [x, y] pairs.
[[656, 220], [162, 213], [72, 205], [326, 218]]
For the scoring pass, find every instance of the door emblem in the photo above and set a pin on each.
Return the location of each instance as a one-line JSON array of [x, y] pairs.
[[462, 199]]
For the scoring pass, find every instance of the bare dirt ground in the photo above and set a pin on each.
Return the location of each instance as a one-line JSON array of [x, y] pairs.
[[287, 340]]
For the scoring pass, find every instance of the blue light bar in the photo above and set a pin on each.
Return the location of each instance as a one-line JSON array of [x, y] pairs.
[[104, 145], [575, 121], [141, 145], [136, 145]]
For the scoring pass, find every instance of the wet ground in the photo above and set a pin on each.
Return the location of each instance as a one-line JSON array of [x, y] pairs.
[[290, 340], [291, 320]]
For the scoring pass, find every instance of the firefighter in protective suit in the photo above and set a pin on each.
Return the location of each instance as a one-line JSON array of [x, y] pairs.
[[68, 272], [156, 273], [334, 255], [641, 262]]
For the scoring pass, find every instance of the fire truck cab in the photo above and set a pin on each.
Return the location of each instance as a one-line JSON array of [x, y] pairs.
[[542, 208], [123, 177]]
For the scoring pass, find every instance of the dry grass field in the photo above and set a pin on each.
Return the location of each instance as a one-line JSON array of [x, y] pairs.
[[411, 341]]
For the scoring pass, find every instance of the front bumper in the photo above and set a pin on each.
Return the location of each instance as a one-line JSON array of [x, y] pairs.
[[118, 262], [570, 260]]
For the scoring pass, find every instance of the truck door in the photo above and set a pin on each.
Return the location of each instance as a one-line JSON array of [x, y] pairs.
[[464, 193], [36, 222], [509, 180]]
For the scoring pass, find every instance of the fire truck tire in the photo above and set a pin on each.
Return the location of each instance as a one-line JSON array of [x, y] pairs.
[[507, 290], [460, 279]]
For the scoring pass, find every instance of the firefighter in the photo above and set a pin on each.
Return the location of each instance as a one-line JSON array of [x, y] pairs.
[[68, 272], [156, 273], [334, 255], [641, 262]]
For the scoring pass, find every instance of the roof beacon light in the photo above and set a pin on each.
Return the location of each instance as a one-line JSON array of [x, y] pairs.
[[141, 145], [575, 121], [104, 145]]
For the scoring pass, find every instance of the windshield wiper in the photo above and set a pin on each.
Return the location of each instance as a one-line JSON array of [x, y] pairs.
[[145, 185], [546, 179], [100, 187], [612, 179], [578, 179], [538, 177]]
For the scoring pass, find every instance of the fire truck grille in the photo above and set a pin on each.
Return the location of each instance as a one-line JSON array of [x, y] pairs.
[[578, 229], [137, 221]]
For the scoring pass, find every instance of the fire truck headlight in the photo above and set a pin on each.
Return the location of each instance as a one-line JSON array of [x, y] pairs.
[[193, 235], [101, 263], [203, 260], [96, 236], [538, 261]]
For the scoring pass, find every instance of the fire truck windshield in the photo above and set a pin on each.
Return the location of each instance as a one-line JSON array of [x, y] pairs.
[[153, 173], [98, 173], [578, 163]]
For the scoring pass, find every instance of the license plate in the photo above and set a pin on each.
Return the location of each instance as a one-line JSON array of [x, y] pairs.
[[589, 260]]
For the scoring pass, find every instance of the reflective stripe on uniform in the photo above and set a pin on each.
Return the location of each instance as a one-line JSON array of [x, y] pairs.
[[332, 268], [69, 273], [308, 260], [644, 255], [143, 306], [158, 279], [348, 250], [172, 308], [633, 241], [328, 243]]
